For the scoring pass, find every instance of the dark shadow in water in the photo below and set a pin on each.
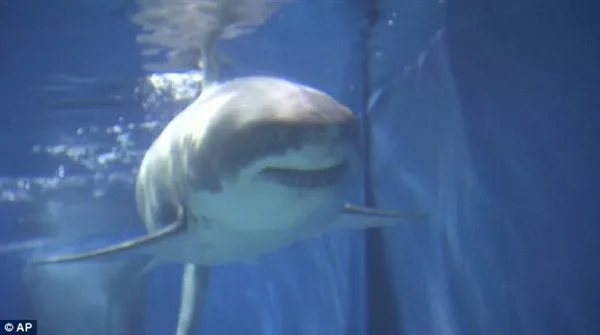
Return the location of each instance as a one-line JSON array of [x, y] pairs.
[[382, 308]]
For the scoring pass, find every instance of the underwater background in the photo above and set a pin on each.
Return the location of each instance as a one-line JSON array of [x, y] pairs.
[[482, 114]]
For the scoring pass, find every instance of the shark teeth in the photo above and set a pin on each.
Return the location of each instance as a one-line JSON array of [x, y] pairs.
[[306, 178]]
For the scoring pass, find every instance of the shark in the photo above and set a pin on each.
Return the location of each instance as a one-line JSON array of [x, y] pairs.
[[253, 165]]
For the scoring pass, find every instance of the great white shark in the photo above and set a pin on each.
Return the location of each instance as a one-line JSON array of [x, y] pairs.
[[254, 164]]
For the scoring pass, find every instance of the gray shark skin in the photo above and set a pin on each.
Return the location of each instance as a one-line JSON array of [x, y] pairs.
[[253, 165]]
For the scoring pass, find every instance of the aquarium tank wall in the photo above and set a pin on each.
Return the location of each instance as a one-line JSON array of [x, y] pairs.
[[466, 201]]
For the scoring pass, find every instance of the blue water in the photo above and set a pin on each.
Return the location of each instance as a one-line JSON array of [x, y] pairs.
[[484, 115]]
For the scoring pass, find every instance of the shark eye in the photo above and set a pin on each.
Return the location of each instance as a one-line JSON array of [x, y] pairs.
[[276, 135]]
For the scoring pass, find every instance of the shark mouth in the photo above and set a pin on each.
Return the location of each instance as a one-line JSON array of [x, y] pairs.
[[306, 178]]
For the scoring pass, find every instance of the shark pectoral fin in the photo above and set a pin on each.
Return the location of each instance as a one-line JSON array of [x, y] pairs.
[[128, 245], [193, 293], [360, 217]]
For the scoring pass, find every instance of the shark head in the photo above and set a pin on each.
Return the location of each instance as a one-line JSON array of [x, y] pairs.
[[274, 155]]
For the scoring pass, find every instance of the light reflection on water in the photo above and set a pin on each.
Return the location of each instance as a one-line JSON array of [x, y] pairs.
[[113, 161]]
